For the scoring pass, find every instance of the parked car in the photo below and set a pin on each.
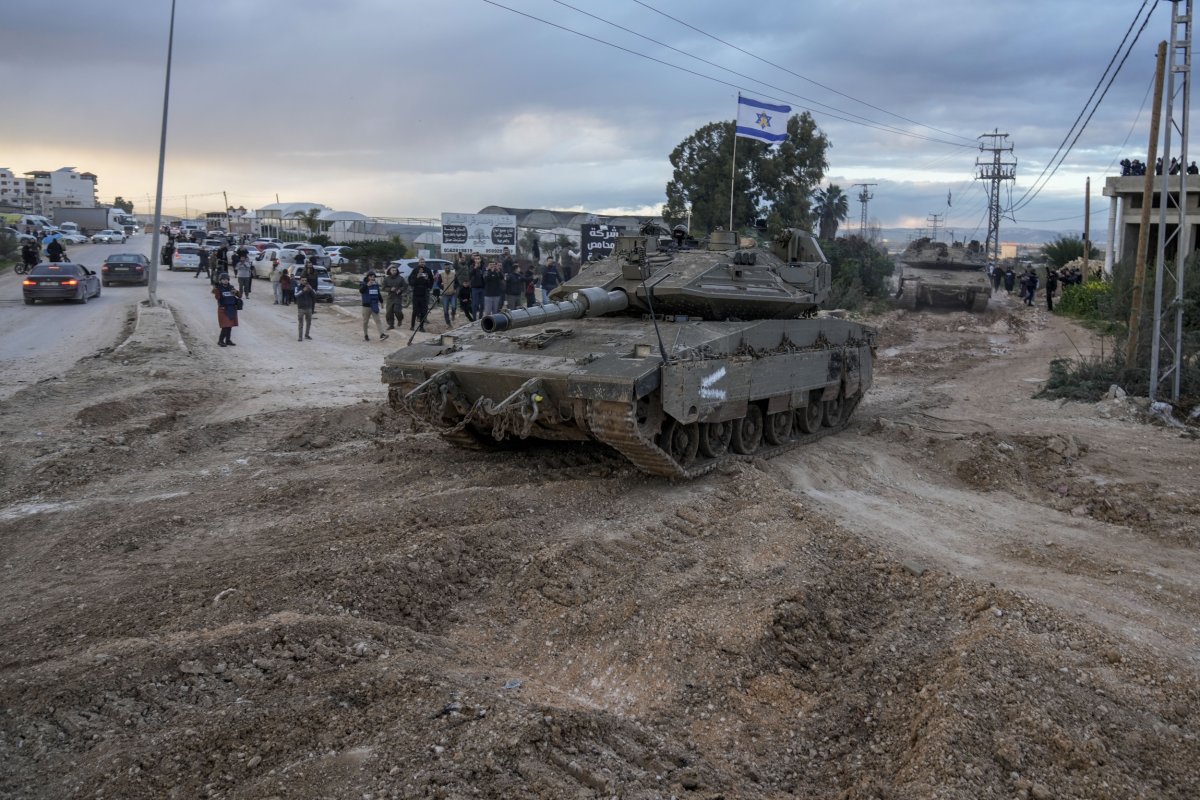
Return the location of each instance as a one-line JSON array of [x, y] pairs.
[[338, 255], [262, 262], [20, 237], [125, 268], [405, 265], [73, 238], [108, 237], [60, 281], [187, 256], [324, 284], [213, 245], [269, 241]]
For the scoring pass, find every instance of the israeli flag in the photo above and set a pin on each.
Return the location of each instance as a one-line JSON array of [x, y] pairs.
[[762, 121]]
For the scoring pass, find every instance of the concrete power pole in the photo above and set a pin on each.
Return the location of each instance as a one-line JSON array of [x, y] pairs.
[[994, 170], [864, 197]]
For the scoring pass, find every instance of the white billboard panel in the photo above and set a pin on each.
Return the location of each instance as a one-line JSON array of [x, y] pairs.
[[488, 234]]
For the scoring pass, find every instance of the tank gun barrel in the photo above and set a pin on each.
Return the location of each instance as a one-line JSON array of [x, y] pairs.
[[590, 302]]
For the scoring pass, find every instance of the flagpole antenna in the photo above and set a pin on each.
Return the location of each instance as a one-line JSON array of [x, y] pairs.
[[733, 164]]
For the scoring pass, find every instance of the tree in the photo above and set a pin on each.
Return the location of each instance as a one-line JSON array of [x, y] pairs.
[[310, 219], [772, 182], [831, 207], [859, 270], [1066, 249], [123, 204]]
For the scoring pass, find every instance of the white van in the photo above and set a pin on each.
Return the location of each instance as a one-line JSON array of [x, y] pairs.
[[36, 222]]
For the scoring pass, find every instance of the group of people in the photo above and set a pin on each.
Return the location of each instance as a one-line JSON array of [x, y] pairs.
[[31, 252], [1136, 167], [1028, 282], [468, 285]]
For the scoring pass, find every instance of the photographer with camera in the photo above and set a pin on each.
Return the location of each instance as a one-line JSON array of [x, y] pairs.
[[306, 303]]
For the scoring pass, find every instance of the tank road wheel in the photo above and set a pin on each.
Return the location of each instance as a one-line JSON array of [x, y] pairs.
[[834, 411], [779, 427], [748, 431], [808, 418], [714, 438], [979, 302], [680, 441]]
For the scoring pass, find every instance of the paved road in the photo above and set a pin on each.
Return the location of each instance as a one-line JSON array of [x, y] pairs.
[[270, 367]]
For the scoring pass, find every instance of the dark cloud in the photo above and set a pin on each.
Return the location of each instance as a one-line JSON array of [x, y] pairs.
[[415, 107]]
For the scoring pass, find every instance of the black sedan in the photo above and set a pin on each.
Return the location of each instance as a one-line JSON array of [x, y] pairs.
[[65, 281], [125, 268]]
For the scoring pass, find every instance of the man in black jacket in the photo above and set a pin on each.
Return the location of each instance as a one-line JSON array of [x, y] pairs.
[[1051, 288], [306, 303], [493, 289], [394, 289], [420, 281], [514, 288]]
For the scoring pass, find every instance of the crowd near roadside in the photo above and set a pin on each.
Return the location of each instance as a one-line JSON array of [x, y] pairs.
[[472, 284], [1027, 282]]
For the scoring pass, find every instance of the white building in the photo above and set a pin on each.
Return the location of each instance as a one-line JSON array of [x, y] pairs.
[[41, 191]]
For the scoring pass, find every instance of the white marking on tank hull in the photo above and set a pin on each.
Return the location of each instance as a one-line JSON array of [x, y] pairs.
[[706, 390]]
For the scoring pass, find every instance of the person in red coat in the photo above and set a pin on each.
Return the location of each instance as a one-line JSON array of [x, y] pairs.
[[227, 309]]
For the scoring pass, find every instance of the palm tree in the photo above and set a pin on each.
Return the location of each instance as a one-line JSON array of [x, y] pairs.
[[831, 207], [1065, 249], [310, 219]]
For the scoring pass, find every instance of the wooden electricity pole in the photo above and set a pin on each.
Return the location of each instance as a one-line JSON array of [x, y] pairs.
[[1143, 244], [1087, 226]]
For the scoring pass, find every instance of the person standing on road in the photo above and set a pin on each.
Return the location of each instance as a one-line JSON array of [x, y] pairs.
[[530, 286], [478, 273], [285, 286], [202, 266], [997, 277], [372, 296], [227, 309], [493, 289], [464, 300], [1051, 288], [275, 288], [394, 289], [420, 281], [1010, 279], [306, 303], [550, 280], [243, 272], [447, 282], [514, 288]]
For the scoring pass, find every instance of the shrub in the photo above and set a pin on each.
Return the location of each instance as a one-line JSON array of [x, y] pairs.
[[1092, 301]]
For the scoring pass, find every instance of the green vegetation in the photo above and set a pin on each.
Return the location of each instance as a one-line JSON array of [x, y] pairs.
[[831, 207], [860, 272], [1087, 379], [123, 204], [8, 248], [775, 183], [1066, 249], [311, 220], [1091, 301], [374, 255]]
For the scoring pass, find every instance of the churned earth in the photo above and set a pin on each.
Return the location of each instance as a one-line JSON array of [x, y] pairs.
[[214, 589]]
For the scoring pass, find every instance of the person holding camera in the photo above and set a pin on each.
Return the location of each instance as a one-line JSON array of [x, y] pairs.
[[306, 303], [372, 296], [229, 300]]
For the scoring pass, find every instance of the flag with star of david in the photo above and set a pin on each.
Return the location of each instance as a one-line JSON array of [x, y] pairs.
[[766, 122]]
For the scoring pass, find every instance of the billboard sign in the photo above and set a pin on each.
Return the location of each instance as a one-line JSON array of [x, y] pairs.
[[488, 234], [598, 241]]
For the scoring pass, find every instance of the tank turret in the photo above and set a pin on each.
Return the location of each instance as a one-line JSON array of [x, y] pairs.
[[678, 354]]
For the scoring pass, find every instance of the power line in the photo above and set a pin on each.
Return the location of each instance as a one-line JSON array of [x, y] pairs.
[[712, 78], [882, 125], [1034, 190], [795, 74]]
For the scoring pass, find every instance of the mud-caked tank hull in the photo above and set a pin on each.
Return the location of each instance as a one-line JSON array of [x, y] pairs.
[[754, 388], [944, 276], [944, 288], [680, 356]]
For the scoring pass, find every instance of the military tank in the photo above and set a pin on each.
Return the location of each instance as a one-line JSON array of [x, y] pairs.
[[948, 276], [678, 355]]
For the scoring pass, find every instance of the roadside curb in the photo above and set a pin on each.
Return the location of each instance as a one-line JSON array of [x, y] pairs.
[[154, 329]]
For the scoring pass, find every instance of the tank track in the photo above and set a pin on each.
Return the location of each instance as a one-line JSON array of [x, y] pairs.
[[615, 424]]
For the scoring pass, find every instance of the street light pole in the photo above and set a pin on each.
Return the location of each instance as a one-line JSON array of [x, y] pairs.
[[152, 284]]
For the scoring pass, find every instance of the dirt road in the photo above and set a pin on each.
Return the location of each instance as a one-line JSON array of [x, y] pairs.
[[216, 589]]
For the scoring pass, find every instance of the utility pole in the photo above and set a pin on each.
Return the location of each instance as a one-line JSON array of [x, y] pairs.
[[1143, 243], [935, 222], [994, 170], [1166, 351], [1087, 225], [864, 197]]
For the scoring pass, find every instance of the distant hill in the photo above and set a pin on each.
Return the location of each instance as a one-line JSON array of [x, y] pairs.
[[898, 237]]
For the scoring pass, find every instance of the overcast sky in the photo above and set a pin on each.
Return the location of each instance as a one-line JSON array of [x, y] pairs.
[[414, 107]]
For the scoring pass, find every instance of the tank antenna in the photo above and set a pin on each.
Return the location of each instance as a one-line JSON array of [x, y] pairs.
[[662, 351]]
